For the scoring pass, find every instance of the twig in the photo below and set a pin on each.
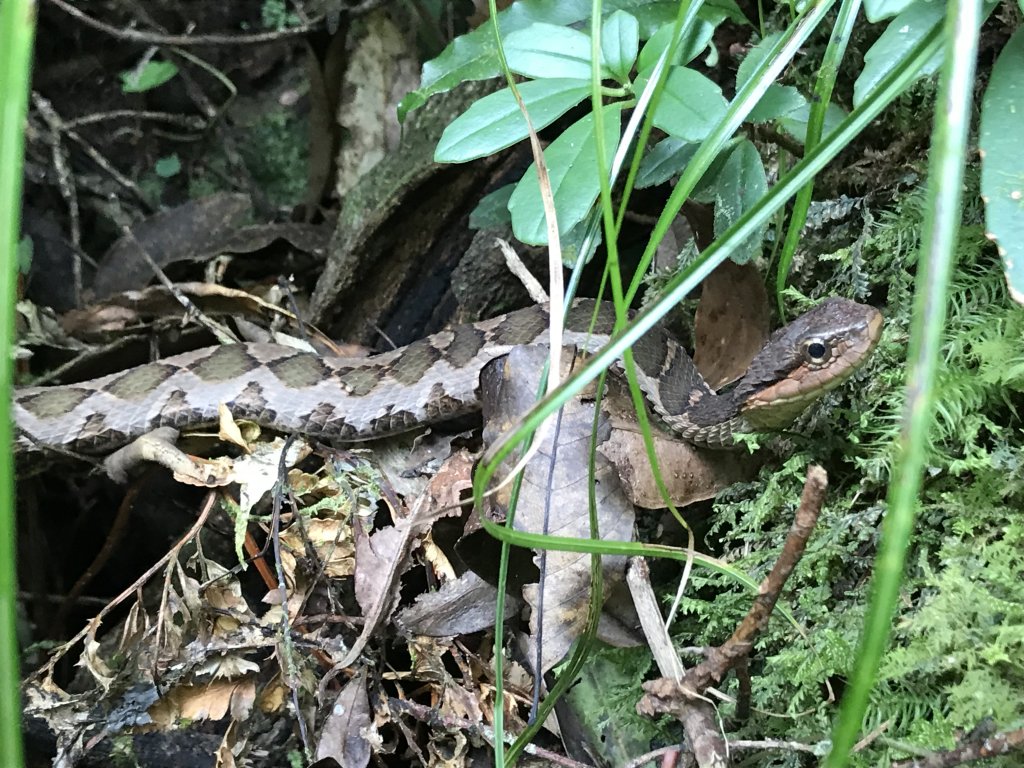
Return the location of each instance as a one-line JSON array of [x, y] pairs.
[[190, 122], [154, 38], [57, 125], [684, 699], [674, 752], [114, 537], [223, 335], [61, 166], [970, 751], [520, 270], [47, 669], [435, 719], [722, 659]]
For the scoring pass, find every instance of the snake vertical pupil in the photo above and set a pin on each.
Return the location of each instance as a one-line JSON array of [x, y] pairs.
[[816, 351]]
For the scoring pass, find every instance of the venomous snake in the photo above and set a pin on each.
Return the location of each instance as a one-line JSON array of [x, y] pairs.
[[435, 379]]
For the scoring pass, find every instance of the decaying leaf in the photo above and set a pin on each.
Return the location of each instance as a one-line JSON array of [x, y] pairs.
[[732, 322], [554, 499], [381, 557]]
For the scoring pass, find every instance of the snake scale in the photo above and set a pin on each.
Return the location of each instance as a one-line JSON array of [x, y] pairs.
[[435, 379]]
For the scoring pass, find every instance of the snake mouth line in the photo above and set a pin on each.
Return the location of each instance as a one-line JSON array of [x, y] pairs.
[[780, 403]]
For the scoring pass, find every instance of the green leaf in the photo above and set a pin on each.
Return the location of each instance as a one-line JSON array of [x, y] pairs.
[[880, 10], [572, 169], [547, 51], [168, 166], [725, 9], [690, 106], [495, 122], [1002, 162], [890, 50], [147, 77], [474, 56], [778, 101], [26, 249], [739, 185], [581, 236], [693, 43], [667, 159], [492, 211], [653, 16], [754, 57], [620, 40], [795, 123]]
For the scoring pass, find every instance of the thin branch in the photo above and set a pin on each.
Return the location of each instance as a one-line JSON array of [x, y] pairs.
[[156, 38]]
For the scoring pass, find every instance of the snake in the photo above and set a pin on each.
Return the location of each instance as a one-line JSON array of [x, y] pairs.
[[435, 379]]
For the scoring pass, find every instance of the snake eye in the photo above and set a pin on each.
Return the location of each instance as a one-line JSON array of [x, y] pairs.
[[816, 351]]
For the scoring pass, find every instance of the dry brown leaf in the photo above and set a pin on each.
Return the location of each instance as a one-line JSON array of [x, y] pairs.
[[554, 498], [347, 734], [732, 322]]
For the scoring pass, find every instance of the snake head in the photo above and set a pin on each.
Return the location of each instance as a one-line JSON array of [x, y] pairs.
[[805, 359]]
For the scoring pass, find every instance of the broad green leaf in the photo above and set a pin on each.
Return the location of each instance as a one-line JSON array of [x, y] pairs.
[[778, 101], [492, 211], [148, 77], [653, 16], [572, 169], [690, 106], [726, 9], [1002, 161], [693, 43], [575, 239], [620, 40], [474, 56], [880, 10], [168, 166], [26, 248], [739, 185], [754, 58], [706, 189], [495, 121], [546, 51], [890, 50], [795, 123], [667, 159]]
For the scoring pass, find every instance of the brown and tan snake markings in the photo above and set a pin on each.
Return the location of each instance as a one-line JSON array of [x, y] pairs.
[[435, 379]]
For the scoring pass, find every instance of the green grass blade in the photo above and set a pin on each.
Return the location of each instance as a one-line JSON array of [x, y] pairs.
[[939, 240], [745, 100], [689, 278], [17, 25], [848, 12]]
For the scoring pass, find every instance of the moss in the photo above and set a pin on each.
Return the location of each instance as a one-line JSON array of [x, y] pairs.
[[957, 654]]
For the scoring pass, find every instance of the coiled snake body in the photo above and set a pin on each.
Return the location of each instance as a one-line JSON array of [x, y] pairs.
[[434, 379]]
